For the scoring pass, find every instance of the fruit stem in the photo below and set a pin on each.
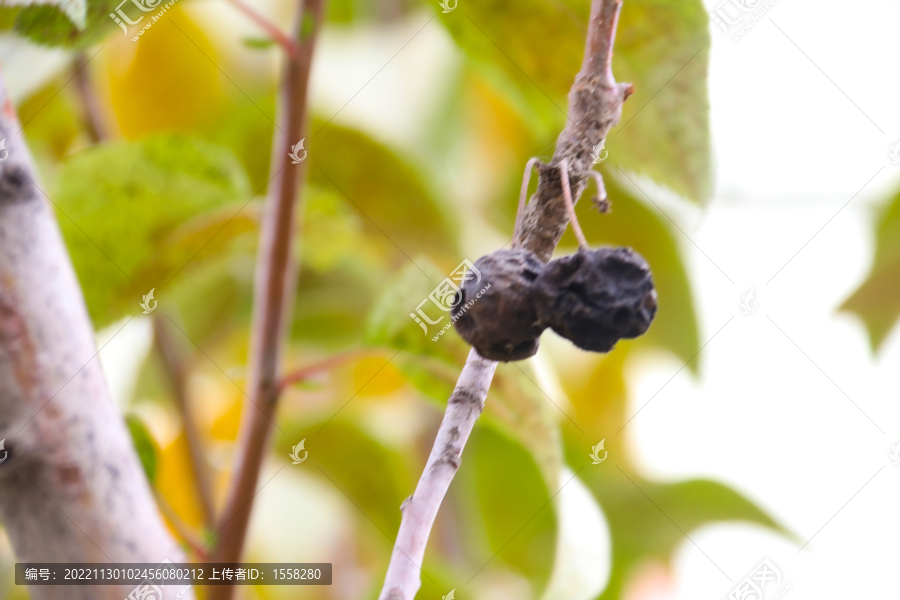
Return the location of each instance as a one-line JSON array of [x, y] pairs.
[[601, 200], [570, 206], [526, 179]]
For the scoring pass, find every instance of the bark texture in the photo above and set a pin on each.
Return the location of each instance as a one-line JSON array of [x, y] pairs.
[[71, 488]]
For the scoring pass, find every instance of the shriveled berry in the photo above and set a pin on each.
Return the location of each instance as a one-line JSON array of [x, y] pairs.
[[597, 297], [502, 323]]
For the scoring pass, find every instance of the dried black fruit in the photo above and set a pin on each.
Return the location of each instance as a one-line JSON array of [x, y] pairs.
[[502, 324], [597, 297]]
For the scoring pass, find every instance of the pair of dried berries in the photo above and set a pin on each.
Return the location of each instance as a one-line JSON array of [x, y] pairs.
[[593, 298]]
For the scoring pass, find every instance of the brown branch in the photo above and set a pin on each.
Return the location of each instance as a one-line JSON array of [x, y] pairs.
[[91, 108], [273, 291], [271, 30], [595, 105], [174, 364]]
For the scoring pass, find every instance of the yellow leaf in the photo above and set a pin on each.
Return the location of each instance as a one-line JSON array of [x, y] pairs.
[[175, 481], [372, 377], [169, 83], [226, 426]]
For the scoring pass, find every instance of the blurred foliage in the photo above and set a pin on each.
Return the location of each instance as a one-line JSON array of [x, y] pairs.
[[121, 206], [642, 514], [58, 128], [511, 493], [144, 445], [532, 51], [877, 301], [175, 205], [51, 25], [181, 95], [386, 189]]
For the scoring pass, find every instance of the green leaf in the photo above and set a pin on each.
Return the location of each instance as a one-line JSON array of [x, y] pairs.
[[639, 525], [74, 10], [639, 519], [387, 191], [532, 51], [877, 300], [144, 445], [640, 531], [121, 206], [391, 322], [662, 46], [513, 499], [68, 24], [373, 476], [631, 223]]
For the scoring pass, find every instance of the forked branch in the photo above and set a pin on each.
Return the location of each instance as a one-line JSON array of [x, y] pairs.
[[595, 106]]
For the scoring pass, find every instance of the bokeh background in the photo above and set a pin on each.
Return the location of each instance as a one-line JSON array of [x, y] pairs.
[[761, 163]]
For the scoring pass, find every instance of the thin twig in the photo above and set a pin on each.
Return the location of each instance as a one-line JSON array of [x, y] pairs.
[[275, 34], [570, 206], [523, 195], [304, 373], [92, 111], [595, 106], [601, 200], [273, 293], [174, 363], [185, 532]]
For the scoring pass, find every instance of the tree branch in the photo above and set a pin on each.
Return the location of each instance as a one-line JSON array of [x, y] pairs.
[[71, 488], [91, 108], [273, 292], [174, 364], [275, 34], [304, 373], [595, 106]]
